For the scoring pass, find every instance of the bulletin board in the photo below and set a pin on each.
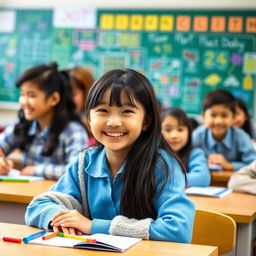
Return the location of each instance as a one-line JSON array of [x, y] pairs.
[[184, 53]]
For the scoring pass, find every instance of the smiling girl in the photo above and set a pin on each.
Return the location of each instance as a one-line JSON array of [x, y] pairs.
[[177, 130], [131, 184], [48, 132]]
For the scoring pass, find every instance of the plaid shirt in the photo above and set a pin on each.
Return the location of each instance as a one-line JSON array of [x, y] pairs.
[[71, 140]]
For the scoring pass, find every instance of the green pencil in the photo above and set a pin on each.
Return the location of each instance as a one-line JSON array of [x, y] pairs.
[[10, 179]]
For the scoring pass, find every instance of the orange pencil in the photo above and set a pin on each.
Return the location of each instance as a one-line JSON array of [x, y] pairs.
[[51, 235]]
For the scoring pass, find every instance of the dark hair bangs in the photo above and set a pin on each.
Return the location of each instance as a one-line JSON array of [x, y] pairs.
[[115, 97], [219, 97], [117, 88]]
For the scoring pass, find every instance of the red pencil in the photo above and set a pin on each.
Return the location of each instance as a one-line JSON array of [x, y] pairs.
[[12, 239]]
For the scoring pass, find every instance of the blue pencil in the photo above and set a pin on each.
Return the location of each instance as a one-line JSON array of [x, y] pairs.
[[33, 236]]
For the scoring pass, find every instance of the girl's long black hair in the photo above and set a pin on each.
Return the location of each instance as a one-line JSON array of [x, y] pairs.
[[139, 184], [183, 119], [247, 127], [49, 80]]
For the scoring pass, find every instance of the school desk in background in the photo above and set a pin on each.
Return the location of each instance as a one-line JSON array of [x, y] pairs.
[[239, 206], [15, 196], [14, 176], [220, 178]]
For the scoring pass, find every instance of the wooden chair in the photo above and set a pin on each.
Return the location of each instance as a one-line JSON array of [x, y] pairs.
[[216, 229]]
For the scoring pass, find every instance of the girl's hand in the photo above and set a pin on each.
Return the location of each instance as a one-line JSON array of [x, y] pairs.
[[70, 231], [4, 167], [71, 221], [28, 170], [220, 160]]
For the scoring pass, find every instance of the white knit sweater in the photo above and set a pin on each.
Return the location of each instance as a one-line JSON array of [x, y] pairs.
[[244, 180]]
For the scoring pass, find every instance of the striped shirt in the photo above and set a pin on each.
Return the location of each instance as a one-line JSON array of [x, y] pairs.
[[71, 140]]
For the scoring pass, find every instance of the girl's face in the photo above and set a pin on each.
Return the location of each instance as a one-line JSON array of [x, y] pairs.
[[117, 128], [35, 105], [240, 118], [175, 133], [78, 98]]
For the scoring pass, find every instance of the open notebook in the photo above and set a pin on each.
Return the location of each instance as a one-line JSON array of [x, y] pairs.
[[215, 167], [208, 191], [104, 242], [14, 175]]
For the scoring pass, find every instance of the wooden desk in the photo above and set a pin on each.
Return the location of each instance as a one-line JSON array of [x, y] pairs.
[[143, 248], [220, 178], [242, 208], [15, 196]]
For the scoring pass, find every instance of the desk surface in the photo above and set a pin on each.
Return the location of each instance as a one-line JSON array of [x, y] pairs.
[[149, 248], [23, 192], [220, 178], [241, 207]]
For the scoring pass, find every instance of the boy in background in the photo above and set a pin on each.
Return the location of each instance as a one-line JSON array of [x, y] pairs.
[[225, 146]]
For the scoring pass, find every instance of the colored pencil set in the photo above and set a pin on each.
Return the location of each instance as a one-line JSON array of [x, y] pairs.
[[25, 239], [46, 237]]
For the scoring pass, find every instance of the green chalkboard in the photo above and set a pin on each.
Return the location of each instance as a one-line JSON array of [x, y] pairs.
[[184, 53]]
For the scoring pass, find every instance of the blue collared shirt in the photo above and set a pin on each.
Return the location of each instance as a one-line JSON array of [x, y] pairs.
[[198, 172], [175, 212], [236, 146], [71, 140]]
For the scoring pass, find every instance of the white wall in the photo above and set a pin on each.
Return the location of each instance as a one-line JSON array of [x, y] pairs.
[[219, 4], [9, 116]]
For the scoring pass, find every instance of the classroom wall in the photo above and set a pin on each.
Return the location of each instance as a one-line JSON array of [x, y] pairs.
[[195, 4], [9, 115]]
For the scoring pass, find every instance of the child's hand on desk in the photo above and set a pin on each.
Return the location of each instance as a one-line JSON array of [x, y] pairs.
[[28, 170], [220, 160], [71, 222], [69, 231], [5, 166]]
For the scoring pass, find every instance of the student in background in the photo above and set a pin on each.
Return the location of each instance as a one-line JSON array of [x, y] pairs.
[[49, 132], [131, 184], [177, 129], [244, 180], [242, 119], [226, 146], [81, 80]]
